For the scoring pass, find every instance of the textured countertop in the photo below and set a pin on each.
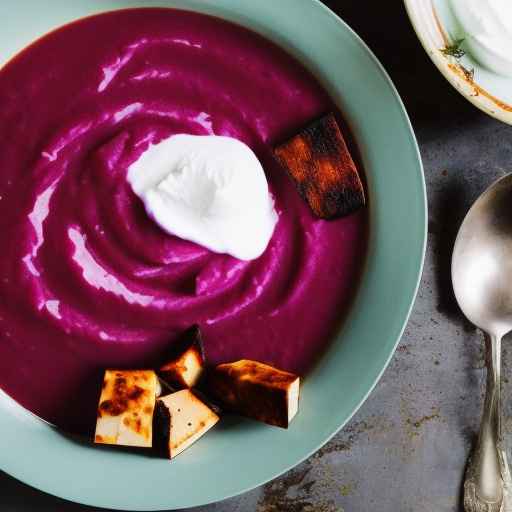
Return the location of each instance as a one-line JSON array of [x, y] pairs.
[[406, 448]]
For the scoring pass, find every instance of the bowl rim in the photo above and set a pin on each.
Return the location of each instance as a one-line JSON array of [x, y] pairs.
[[457, 80]]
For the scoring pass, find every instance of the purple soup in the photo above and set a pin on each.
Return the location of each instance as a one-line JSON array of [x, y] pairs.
[[87, 279]]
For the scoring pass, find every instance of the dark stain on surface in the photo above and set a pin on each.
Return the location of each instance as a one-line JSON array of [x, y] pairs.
[[344, 441], [419, 423], [275, 494], [403, 349]]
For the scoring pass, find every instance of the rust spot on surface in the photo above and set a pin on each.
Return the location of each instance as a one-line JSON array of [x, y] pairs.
[[419, 423], [346, 490], [462, 73]]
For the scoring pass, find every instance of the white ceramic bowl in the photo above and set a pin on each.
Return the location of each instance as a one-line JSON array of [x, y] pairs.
[[437, 28]]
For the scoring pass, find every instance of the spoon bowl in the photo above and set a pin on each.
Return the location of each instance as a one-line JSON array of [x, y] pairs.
[[482, 260]]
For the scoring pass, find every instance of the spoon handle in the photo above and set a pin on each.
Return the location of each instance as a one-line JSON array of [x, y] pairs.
[[488, 483]]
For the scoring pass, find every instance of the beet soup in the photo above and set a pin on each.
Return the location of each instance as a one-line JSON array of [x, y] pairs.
[[87, 279]]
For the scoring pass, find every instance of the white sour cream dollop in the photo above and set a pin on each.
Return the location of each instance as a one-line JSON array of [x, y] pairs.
[[210, 190], [487, 25]]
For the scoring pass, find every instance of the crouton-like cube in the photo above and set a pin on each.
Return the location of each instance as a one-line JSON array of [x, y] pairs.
[[126, 405], [185, 364], [181, 418], [256, 390], [318, 161]]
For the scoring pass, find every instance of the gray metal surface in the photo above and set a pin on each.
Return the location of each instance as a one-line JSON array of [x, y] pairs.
[[406, 448]]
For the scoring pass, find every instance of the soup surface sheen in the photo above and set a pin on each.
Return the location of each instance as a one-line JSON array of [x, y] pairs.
[[87, 279]]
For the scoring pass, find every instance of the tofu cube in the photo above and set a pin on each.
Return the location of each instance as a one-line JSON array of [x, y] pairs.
[[185, 364], [319, 162], [181, 418], [256, 390], [125, 410]]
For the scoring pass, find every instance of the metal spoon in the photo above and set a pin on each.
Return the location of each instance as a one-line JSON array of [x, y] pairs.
[[482, 280]]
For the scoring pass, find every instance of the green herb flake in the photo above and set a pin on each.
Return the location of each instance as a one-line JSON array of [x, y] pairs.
[[454, 50]]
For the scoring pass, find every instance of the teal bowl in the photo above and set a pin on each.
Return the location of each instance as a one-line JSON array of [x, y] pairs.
[[240, 455]]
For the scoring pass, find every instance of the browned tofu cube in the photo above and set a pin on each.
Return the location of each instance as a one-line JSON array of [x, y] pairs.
[[256, 390], [181, 418], [185, 364], [125, 410], [318, 161]]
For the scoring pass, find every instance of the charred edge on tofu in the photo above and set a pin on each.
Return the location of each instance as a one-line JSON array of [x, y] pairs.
[[161, 429], [192, 337], [186, 360], [254, 400], [319, 162], [328, 142]]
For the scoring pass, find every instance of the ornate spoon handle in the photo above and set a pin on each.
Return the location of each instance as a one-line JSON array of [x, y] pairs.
[[488, 485]]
